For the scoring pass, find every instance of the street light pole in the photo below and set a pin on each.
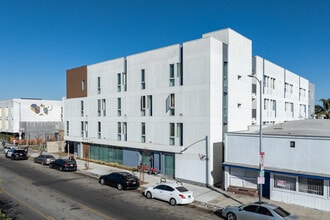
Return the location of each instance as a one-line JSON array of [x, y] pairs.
[[261, 154], [19, 121]]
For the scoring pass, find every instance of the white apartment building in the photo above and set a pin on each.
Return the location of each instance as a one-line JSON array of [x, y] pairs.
[[286, 96], [31, 118], [167, 108]]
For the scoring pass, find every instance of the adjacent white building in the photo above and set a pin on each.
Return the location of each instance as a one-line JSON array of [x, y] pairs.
[[296, 167], [169, 108], [31, 118]]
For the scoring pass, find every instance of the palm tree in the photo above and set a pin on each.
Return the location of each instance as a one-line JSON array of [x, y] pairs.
[[323, 109]]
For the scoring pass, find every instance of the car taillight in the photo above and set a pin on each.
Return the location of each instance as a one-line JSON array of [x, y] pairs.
[[182, 196]]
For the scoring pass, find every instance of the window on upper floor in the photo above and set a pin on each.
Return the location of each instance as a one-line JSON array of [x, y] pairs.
[[121, 82], [171, 75], [170, 104], [118, 106], [124, 131], [82, 108], [84, 129], [118, 82], [143, 132], [143, 105], [99, 107], [143, 82], [118, 131], [172, 134], [98, 85], [104, 107], [67, 128], [99, 130], [82, 133], [83, 85], [179, 73], [124, 81], [146, 105], [179, 133]]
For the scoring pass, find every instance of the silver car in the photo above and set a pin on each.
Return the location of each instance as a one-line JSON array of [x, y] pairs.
[[44, 159], [256, 211]]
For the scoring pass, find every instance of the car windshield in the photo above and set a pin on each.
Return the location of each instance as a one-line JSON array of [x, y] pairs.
[[49, 156], [281, 212], [182, 189]]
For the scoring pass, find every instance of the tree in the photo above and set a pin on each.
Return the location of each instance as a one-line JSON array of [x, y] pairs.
[[323, 109]]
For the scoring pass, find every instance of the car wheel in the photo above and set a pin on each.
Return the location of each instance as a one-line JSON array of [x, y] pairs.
[[119, 186], [231, 216], [102, 181], [12, 158], [61, 168], [148, 195], [173, 201], [42, 163]]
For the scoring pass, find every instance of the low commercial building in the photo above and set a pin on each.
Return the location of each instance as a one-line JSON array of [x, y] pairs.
[[295, 161], [31, 119]]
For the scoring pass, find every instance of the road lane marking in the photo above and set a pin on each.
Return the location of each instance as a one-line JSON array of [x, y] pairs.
[[100, 214], [27, 205]]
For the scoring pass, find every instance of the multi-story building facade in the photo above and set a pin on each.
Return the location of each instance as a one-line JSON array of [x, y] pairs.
[[31, 118], [285, 95], [166, 108]]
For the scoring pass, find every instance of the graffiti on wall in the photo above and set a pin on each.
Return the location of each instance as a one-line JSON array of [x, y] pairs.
[[41, 109]]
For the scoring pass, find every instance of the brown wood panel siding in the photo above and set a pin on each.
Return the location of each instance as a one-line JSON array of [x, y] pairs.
[[74, 78]]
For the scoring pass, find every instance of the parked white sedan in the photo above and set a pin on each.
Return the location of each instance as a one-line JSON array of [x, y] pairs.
[[174, 193]]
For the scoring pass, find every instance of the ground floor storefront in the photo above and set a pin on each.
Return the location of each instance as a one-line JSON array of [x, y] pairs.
[[297, 188], [148, 160]]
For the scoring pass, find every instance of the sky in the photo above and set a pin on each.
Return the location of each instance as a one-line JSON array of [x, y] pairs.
[[41, 39]]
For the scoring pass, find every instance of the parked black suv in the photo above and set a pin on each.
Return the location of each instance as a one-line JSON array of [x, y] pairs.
[[19, 154]]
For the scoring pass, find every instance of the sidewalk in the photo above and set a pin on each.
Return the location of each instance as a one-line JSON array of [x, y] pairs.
[[210, 198]]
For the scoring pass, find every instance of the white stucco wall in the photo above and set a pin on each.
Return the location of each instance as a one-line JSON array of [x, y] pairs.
[[15, 111], [282, 76], [244, 149]]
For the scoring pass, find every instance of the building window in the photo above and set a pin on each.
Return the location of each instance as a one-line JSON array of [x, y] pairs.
[[118, 131], [143, 83], [99, 130], [86, 129], [82, 129], [82, 108], [285, 182], [118, 106], [146, 105], [121, 82], [179, 131], [67, 128], [124, 81], [143, 132], [170, 104], [98, 85], [83, 85], [143, 105], [104, 107], [124, 131], [171, 75], [179, 73], [311, 186], [149, 105], [118, 82], [99, 107], [172, 134]]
